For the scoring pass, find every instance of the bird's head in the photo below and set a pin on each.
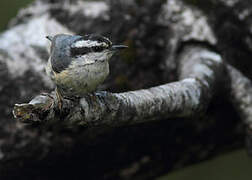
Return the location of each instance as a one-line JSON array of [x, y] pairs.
[[93, 46], [67, 48]]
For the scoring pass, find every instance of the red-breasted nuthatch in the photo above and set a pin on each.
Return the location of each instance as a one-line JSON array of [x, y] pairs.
[[78, 64]]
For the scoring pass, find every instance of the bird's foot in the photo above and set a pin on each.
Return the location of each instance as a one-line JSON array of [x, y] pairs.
[[47, 94], [73, 98]]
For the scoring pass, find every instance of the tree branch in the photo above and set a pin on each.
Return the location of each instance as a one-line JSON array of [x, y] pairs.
[[240, 94], [199, 70]]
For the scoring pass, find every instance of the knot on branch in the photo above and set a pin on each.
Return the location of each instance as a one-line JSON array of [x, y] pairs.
[[35, 110]]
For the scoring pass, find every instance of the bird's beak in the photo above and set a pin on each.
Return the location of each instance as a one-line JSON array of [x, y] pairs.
[[118, 47], [50, 38]]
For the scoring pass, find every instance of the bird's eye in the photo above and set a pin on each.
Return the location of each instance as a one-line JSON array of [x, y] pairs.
[[97, 48]]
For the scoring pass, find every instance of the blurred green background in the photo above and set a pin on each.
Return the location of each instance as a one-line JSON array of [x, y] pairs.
[[235, 165], [8, 9], [232, 166]]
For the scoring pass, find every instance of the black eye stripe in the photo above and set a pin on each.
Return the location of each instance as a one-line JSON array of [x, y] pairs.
[[98, 48], [84, 50], [80, 51]]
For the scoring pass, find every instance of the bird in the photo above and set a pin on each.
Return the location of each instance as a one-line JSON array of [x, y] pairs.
[[78, 64]]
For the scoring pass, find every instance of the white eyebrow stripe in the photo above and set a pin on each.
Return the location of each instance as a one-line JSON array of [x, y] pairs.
[[88, 43]]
